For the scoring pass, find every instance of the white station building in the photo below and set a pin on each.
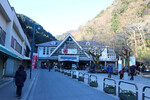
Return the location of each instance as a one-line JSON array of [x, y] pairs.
[[69, 53]]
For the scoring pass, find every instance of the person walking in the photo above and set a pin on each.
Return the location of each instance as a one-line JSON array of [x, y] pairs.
[[49, 67], [20, 78], [109, 70], [121, 73], [132, 71]]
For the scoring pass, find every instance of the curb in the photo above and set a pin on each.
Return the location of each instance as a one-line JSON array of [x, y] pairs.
[[25, 97]]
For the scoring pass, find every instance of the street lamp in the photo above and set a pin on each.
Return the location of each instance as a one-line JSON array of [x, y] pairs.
[[32, 49]]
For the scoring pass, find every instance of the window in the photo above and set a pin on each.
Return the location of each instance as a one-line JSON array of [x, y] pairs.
[[2, 36], [12, 42], [19, 48], [16, 45], [44, 51], [47, 50]]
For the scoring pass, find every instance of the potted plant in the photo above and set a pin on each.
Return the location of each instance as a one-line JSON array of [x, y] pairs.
[[81, 78], [62, 71], [93, 84], [74, 76], [127, 95], [69, 74], [110, 89], [65, 73]]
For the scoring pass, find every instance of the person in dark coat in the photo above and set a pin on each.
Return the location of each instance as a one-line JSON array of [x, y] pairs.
[[20, 78], [49, 67], [132, 71]]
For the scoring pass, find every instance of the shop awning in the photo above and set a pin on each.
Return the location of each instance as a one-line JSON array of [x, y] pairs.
[[7, 52]]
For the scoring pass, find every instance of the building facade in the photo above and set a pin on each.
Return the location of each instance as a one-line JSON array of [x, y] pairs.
[[14, 45], [70, 53]]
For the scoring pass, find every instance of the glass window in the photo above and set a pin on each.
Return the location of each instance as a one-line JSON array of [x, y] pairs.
[[47, 50], [44, 51], [2, 36]]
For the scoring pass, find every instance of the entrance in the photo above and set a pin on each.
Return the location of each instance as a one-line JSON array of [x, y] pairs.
[[68, 64]]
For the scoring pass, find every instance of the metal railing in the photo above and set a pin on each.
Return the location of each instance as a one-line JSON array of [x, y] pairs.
[[91, 77], [85, 74], [130, 84], [111, 80], [143, 93]]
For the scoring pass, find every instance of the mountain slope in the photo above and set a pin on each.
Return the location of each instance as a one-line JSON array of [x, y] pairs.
[[112, 20], [40, 35]]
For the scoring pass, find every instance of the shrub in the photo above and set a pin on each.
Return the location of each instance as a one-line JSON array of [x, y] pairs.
[[93, 84]]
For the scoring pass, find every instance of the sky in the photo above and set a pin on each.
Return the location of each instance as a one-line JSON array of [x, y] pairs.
[[60, 16]]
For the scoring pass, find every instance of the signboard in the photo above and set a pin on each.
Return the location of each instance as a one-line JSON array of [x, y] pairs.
[[68, 58], [34, 60], [132, 61], [69, 51]]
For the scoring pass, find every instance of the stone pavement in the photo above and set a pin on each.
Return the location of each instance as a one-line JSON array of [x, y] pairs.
[[8, 87], [139, 80], [57, 86]]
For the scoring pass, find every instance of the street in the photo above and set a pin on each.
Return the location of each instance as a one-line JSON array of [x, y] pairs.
[[56, 86]]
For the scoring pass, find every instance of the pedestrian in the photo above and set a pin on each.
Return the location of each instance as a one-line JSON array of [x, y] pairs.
[[49, 67], [121, 73], [109, 70], [20, 78], [132, 71]]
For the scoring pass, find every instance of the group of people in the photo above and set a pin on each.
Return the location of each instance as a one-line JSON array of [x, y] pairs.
[[130, 70]]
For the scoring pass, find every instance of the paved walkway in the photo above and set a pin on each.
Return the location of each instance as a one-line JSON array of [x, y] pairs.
[[8, 87], [139, 80], [57, 86]]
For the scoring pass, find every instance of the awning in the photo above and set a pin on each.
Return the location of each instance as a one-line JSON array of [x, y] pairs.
[[26, 58], [7, 52]]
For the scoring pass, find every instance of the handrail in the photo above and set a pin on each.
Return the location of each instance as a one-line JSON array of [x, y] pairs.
[[130, 84], [109, 79], [92, 76], [88, 77], [143, 94], [73, 72], [80, 74]]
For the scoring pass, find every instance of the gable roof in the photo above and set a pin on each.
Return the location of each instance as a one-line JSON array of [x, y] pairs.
[[50, 43], [69, 35]]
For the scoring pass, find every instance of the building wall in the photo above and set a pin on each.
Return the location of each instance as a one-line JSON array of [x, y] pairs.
[[3, 22], [1, 66], [10, 24]]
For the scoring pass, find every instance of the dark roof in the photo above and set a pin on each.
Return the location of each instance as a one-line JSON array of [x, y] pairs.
[[50, 43], [56, 43]]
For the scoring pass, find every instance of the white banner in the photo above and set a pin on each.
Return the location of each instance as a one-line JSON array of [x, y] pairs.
[[132, 61]]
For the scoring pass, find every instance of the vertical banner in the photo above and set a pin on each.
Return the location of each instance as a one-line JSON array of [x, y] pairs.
[[132, 61], [119, 65], [34, 60]]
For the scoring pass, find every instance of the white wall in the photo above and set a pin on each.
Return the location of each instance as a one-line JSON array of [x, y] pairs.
[[40, 51], [3, 22]]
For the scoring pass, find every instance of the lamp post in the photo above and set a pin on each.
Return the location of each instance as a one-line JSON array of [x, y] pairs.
[[32, 49]]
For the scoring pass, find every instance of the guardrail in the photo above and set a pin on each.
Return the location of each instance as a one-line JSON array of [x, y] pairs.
[[136, 94], [80, 77], [143, 93], [85, 74], [93, 83], [109, 89], [73, 74]]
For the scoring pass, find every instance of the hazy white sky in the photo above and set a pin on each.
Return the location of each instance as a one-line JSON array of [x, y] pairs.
[[59, 16]]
